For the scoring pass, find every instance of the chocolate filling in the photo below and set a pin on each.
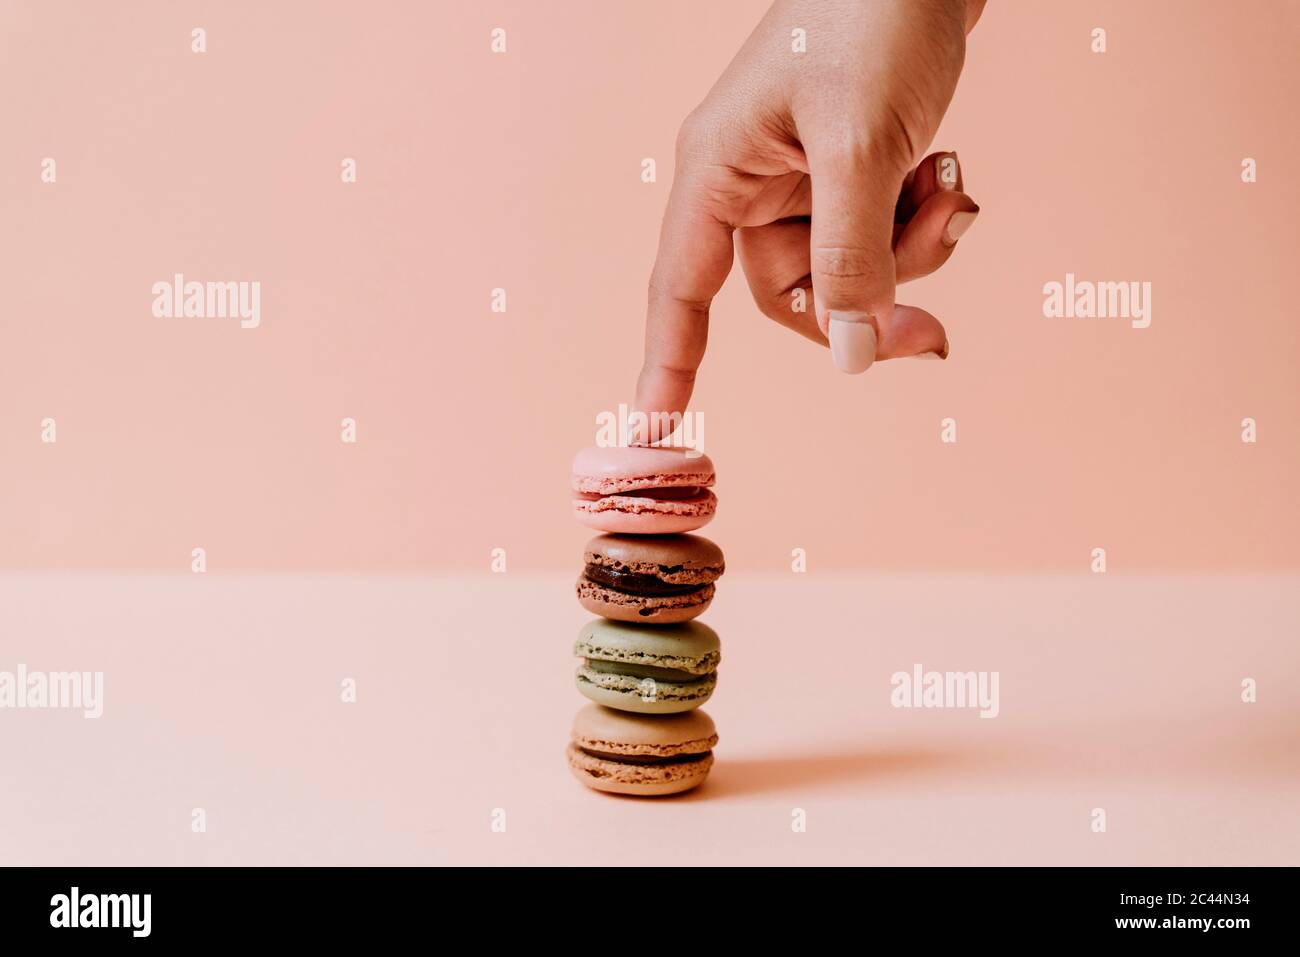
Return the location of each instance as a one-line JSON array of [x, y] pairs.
[[646, 758], [644, 586], [668, 493]]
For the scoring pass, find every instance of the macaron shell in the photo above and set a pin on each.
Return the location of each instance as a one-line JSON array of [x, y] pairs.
[[640, 515], [675, 559], [627, 692], [618, 732], [692, 647], [607, 471], [643, 780], [650, 610]]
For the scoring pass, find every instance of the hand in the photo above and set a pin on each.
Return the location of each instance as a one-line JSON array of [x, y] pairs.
[[812, 160]]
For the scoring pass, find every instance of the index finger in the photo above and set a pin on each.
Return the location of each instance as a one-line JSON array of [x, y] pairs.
[[694, 257]]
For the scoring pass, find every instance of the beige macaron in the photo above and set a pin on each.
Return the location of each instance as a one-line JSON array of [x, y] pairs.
[[647, 755]]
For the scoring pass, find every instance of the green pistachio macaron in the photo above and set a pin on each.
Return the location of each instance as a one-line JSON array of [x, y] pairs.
[[662, 669]]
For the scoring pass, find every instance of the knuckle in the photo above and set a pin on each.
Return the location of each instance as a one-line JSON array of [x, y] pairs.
[[842, 262], [695, 132], [842, 147], [782, 301], [769, 304], [885, 142], [681, 375], [897, 141], [781, 309], [660, 294]]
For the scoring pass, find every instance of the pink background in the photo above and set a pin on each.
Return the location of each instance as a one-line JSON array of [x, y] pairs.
[[522, 171], [1119, 691], [223, 693]]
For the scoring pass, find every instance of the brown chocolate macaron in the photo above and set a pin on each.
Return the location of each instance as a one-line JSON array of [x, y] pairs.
[[653, 579]]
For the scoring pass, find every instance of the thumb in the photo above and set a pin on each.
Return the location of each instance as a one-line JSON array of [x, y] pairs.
[[856, 179]]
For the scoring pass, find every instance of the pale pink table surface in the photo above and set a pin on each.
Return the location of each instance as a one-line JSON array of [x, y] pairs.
[[1120, 693]]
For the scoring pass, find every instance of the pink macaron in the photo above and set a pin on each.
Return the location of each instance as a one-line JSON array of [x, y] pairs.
[[643, 491]]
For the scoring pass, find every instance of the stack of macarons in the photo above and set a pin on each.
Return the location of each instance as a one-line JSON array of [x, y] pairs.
[[646, 663]]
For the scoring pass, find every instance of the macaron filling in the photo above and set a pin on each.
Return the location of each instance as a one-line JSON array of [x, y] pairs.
[[665, 492], [619, 686], [641, 585], [646, 758], [669, 499], [642, 671], [650, 779]]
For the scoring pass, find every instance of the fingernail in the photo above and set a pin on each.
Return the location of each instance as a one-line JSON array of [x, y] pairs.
[[934, 355], [853, 341], [947, 170], [958, 223]]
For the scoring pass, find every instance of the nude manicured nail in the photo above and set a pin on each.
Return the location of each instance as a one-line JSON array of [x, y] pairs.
[[853, 341], [958, 223], [947, 170]]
